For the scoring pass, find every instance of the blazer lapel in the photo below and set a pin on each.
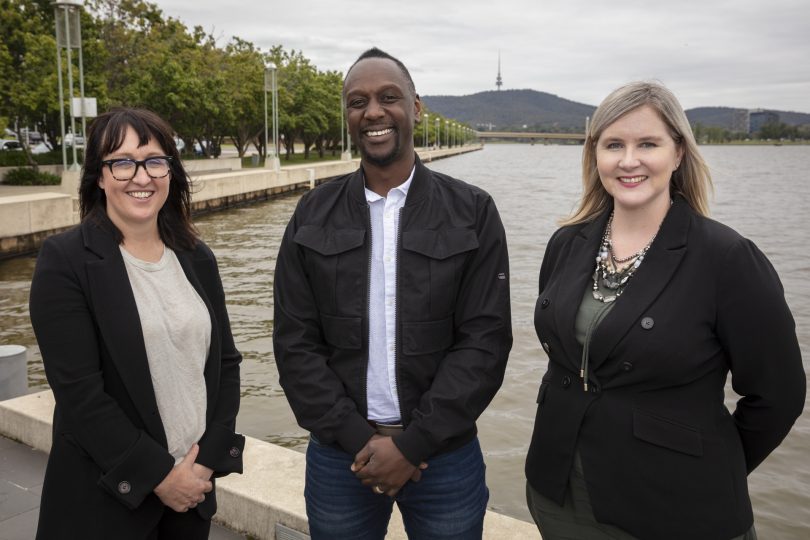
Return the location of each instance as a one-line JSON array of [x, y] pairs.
[[119, 324], [658, 268], [577, 274]]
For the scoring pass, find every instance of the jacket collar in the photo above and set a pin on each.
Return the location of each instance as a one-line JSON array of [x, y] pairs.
[[659, 267], [660, 264], [117, 318]]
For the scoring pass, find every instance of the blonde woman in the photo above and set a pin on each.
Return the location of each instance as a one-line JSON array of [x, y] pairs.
[[645, 306]]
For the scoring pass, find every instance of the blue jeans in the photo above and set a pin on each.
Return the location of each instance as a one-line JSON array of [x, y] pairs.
[[449, 502]]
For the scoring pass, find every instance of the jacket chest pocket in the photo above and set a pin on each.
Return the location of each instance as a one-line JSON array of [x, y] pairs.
[[433, 266], [337, 265]]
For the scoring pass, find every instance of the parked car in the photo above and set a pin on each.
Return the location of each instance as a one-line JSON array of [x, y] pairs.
[[214, 150], [10, 145], [41, 148], [69, 137]]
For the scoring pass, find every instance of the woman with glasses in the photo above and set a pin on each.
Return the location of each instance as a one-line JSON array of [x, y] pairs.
[[129, 314], [645, 307]]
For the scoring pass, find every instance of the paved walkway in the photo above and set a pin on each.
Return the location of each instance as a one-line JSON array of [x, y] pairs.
[[21, 472]]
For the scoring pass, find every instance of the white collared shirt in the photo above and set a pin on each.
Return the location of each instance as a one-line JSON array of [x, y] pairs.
[[381, 376]]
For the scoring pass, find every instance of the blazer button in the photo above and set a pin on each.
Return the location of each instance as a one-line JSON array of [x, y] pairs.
[[566, 381], [627, 366], [234, 452], [544, 304], [124, 487], [647, 323], [546, 347]]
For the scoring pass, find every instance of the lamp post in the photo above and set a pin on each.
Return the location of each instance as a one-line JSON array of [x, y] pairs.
[[426, 125], [438, 133], [346, 152], [271, 155], [69, 36], [447, 132]]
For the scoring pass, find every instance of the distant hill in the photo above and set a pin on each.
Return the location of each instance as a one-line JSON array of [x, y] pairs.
[[513, 109], [540, 111], [724, 117]]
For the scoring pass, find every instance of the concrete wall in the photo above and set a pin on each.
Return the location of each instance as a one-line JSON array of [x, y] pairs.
[[26, 220], [270, 491]]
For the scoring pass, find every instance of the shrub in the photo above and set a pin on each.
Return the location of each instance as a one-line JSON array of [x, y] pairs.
[[24, 176], [12, 159]]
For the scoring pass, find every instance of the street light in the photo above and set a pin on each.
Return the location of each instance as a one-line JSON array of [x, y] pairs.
[[69, 36], [426, 125], [438, 133], [271, 153], [447, 132]]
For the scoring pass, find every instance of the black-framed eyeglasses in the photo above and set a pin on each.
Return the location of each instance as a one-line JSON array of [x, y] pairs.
[[125, 169]]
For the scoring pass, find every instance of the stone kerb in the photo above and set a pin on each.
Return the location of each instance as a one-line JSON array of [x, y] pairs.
[[270, 490], [30, 213]]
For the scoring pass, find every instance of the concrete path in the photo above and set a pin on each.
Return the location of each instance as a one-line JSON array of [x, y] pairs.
[[21, 472]]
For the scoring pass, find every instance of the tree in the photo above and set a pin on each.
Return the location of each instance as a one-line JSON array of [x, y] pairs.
[[244, 87]]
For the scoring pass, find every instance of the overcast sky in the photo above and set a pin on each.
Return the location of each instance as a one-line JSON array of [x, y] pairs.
[[735, 53]]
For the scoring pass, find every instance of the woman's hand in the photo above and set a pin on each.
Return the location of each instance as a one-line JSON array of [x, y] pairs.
[[183, 488]]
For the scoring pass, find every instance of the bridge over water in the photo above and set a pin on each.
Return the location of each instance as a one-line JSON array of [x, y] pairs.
[[523, 135]]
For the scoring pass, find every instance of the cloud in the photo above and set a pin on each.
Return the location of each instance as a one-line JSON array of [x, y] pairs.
[[743, 53]]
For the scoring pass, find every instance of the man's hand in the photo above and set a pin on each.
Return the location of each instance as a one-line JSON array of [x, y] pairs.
[[182, 488], [381, 466]]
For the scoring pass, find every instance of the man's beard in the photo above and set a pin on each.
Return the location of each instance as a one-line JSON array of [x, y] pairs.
[[382, 161]]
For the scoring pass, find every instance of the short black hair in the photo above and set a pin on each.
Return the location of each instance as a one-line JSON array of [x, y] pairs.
[[374, 52]]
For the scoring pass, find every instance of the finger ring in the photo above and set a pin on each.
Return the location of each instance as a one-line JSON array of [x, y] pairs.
[[378, 489]]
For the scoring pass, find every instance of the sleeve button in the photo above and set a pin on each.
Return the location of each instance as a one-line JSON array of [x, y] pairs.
[[647, 323], [124, 487], [544, 304], [234, 452]]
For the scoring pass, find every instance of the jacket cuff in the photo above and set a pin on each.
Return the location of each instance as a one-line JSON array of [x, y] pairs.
[[354, 433], [143, 468], [414, 445], [221, 450]]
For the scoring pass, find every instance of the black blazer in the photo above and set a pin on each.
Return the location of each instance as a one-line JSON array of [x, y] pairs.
[[663, 457], [109, 446]]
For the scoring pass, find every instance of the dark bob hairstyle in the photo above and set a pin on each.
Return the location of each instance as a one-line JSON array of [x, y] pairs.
[[105, 135]]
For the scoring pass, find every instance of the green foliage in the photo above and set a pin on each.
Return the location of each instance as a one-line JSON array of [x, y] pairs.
[[25, 176], [12, 159], [134, 55]]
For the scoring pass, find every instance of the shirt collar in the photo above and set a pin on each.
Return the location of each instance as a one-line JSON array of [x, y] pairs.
[[403, 188]]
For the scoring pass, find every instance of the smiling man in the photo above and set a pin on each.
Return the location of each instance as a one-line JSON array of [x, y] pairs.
[[392, 327]]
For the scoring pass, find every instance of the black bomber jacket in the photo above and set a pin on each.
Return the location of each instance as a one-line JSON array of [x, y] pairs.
[[453, 315]]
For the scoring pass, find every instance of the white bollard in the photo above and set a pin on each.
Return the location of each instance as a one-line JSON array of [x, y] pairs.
[[13, 371], [311, 173]]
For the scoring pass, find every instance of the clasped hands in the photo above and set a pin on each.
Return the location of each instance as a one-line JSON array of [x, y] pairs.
[[382, 467], [186, 484]]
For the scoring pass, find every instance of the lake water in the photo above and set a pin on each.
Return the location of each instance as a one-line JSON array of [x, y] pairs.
[[761, 191]]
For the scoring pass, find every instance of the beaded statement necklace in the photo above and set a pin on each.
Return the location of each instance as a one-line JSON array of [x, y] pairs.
[[607, 266]]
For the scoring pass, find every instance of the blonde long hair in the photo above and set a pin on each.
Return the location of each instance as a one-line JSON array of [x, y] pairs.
[[692, 179]]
